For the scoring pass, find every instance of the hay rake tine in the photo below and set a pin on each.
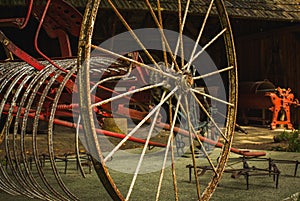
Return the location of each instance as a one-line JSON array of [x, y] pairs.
[[3, 185], [7, 149], [34, 142], [36, 82], [50, 133], [24, 181]]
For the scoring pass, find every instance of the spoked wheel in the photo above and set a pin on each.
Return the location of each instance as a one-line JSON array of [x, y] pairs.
[[176, 84]]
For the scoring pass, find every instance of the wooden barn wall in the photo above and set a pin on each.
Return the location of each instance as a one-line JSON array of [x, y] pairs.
[[272, 55]]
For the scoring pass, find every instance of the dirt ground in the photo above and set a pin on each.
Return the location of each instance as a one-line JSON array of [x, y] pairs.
[[258, 138]]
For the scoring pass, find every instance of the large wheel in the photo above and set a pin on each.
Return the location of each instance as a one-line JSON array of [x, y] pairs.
[[175, 81]]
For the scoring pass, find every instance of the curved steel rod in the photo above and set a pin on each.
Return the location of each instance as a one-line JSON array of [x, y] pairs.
[[34, 87], [10, 161], [38, 80], [27, 182], [50, 133]]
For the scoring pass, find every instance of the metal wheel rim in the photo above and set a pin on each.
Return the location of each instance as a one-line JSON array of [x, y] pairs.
[[85, 99]]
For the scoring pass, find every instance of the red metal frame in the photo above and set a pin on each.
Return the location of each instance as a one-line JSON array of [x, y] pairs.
[[69, 110], [282, 101]]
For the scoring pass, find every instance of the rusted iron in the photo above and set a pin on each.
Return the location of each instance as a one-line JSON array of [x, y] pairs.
[[40, 90]]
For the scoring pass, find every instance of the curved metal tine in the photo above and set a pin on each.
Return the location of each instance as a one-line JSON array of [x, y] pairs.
[[39, 78], [211, 97], [50, 134], [8, 76], [209, 116], [7, 182], [25, 182], [124, 22], [193, 148], [77, 148], [133, 61], [34, 87], [137, 170], [112, 78], [204, 48], [54, 169], [160, 27], [200, 34], [5, 187], [10, 161], [140, 124], [213, 73], [181, 28], [169, 144]]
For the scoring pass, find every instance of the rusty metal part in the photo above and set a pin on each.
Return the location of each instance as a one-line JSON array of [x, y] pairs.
[[86, 104]]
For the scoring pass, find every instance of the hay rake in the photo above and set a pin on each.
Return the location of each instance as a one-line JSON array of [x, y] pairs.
[[169, 90]]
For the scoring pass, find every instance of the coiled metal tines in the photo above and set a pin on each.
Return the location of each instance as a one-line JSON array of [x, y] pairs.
[[29, 97]]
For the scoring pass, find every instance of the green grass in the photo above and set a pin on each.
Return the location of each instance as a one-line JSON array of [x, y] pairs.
[[261, 188]]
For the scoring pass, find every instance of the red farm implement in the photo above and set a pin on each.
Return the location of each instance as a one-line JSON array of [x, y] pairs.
[[174, 84]]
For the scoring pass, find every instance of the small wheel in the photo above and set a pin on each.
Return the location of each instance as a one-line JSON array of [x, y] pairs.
[[177, 64]]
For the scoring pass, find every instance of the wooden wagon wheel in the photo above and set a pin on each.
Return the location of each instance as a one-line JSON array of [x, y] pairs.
[[178, 79]]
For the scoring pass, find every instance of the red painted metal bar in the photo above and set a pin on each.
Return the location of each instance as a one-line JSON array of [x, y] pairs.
[[212, 142], [74, 125], [19, 22]]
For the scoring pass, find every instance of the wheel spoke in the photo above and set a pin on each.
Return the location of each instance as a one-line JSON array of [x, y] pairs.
[[204, 151], [214, 73], [139, 124], [193, 148], [170, 139], [165, 41], [162, 40], [181, 27], [205, 47], [211, 97], [200, 33], [209, 116], [124, 22], [199, 141], [126, 94], [144, 150], [134, 61]]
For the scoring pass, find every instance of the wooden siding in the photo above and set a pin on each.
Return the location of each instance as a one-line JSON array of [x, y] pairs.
[[287, 10], [272, 55]]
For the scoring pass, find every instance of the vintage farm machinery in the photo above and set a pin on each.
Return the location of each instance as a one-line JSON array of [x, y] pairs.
[[150, 76]]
